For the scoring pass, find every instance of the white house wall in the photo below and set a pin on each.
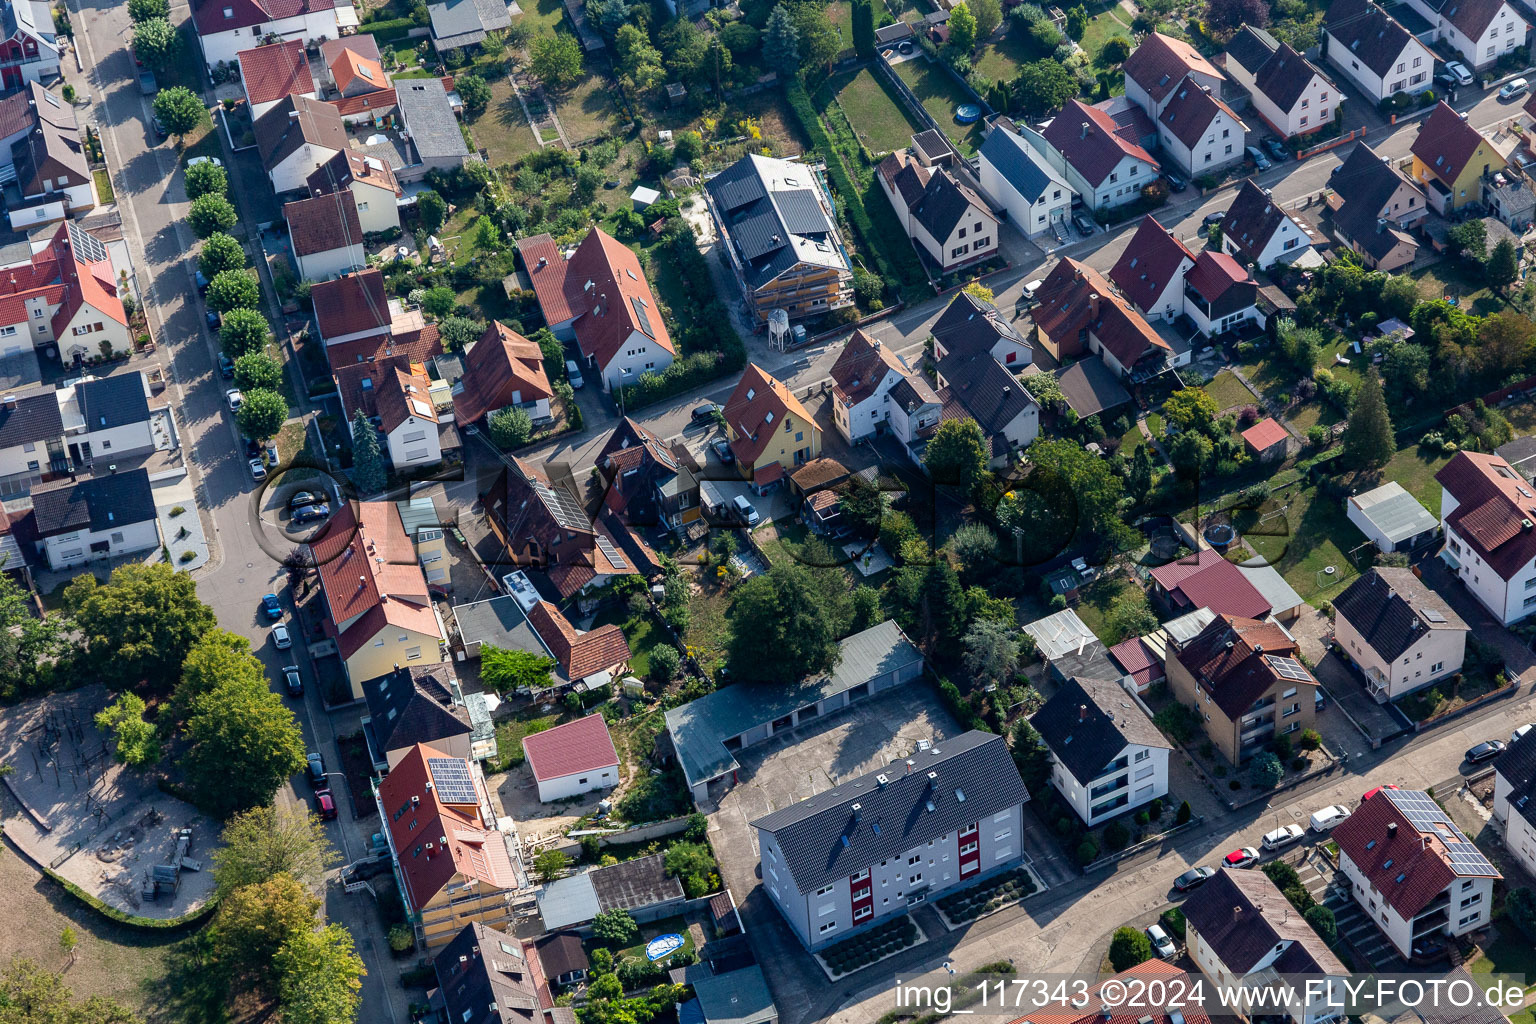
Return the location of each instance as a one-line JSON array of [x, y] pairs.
[[565, 786], [223, 46], [331, 264], [71, 549], [414, 443]]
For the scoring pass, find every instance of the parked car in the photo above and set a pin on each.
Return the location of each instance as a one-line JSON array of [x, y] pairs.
[[160, 132], [573, 374], [1281, 837], [234, 398], [1325, 819], [1372, 792], [706, 413], [325, 805], [252, 449], [272, 607], [722, 449], [1458, 72], [1214, 218], [1242, 857], [212, 319], [311, 513], [1162, 945], [202, 282], [270, 451], [1520, 732], [744, 510], [281, 638], [1175, 183], [1512, 88], [304, 498], [205, 160], [147, 84], [1084, 224], [1276, 149], [315, 769], [1260, 161], [1193, 879], [293, 680], [1485, 751], [1032, 292], [226, 366], [258, 471]]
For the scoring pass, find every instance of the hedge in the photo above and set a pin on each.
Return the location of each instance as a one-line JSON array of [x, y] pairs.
[[388, 31], [123, 917]]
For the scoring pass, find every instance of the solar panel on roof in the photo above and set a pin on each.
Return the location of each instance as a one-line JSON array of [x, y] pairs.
[[1288, 668], [801, 213], [562, 506], [643, 315], [451, 780], [86, 245], [611, 553], [1431, 615]]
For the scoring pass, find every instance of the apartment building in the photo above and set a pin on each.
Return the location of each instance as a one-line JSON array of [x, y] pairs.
[[874, 391], [1107, 758], [1514, 786], [1487, 510]]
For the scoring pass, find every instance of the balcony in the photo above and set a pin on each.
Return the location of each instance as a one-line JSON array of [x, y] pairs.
[[1428, 923], [1108, 787], [1260, 705]]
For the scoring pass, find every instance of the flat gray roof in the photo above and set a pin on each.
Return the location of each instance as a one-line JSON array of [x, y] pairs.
[[1060, 634], [500, 622], [700, 728], [568, 901], [738, 997], [1395, 512], [1271, 586]]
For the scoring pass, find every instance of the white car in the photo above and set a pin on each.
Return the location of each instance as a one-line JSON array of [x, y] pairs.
[[1520, 732], [1280, 837], [281, 638], [234, 398], [205, 160], [1458, 71], [1162, 945], [258, 471], [1325, 819]]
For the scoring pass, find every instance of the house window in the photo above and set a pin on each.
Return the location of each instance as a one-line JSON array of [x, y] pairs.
[[117, 538], [37, 314], [1323, 98], [969, 847], [830, 926], [1113, 177], [862, 913], [1472, 901], [1469, 919], [1303, 120], [412, 653], [962, 233], [1401, 68], [982, 243]]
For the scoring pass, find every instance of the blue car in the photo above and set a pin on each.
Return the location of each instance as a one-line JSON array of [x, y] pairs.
[[272, 606]]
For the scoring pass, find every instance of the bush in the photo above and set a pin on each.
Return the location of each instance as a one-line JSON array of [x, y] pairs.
[[1311, 739], [1282, 747], [1116, 836], [1322, 922], [1087, 852], [1129, 947], [1155, 809], [1265, 771], [1184, 814], [401, 938], [615, 929]]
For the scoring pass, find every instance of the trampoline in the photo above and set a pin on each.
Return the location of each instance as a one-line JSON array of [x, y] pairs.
[[967, 113], [1220, 535]]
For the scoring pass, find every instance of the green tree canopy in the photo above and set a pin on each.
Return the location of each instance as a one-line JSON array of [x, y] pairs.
[[550, 865], [459, 332], [134, 740], [320, 977], [781, 42], [991, 650], [257, 370], [27, 641], [555, 60], [1265, 771], [639, 61], [1096, 491], [1138, 479], [242, 332], [140, 11], [1129, 947], [264, 842], [217, 655], [988, 15], [262, 413], [205, 178], [1503, 265], [694, 865], [506, 671], [209, 214], [157, 44], [818, 41], [432, 208], [1042, 86], [139, 625], [438, 302], [962, 29], [474, 91], [221, 252], [31, 994], [509, 428], [782, 632], [615, 929], [233, 289], [1190, 409], [1368, 438], [368, 470], [957, 455], [255, 921], [244, 743], [863, 18]]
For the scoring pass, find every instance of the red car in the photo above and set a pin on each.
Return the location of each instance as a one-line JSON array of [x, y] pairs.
[[325, 804], [1372, 792], [1243, 857]]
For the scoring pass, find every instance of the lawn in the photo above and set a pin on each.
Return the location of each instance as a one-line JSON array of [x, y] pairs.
[[876, 116], [502, 129], [104, 187], [1099, 597], [1103, 27], [541, 17], [586, 110], [1000, 59], [1229, 392], [666, 926], [940, 95], [509, 737], [709, 631], [642, 631], [1310, 413], [1508, 954], [1443, 281]]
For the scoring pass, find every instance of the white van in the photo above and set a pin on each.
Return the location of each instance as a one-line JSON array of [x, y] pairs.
[[1325, 819], [744, 510], [573, 374]]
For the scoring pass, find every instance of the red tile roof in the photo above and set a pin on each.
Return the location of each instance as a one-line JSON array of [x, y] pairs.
[[1191, 111], [1138, 661], [390, 612], [210, 18], [1265, 434], [1229, 660], [351, 68], [405, 392], [357, 384], [1065, 295], [271, 72], [500, 363], [351, 304], [1149, 263], [546, 269], [1211, 582], [417, 346], [1445, 142], [323, 223], [861, 366], [363, 554], [1161, 62], [360, 43], [1090, 141], [579, 654], [1385, 854], [341, 170], [603, 279], [380, 102], [1490, 510], [755, 410], [580, 746], [1123, 333], [1213, 273]]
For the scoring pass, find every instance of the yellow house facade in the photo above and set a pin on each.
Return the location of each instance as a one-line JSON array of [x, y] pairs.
[[768, 427], [1449, 157]]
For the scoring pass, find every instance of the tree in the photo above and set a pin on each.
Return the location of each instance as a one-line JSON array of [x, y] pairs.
[[26, 640], [988, 15], [781, 42], [694, 865], [69, 940], [1189, 453], [1114, 52], [432, 209], [205, 178], [783, 631], [1405, 368], [1129, 947], [962, 29], [182, 113], [610, 14], [1030, 755], [29, 994], [817, 40], [157, 44], [244, 743], [1503, 265], [459, 332], [1139, 476], [509, 428], [864, 28], [255, 921], [615, 929], [268, 841], [1520, 908], [438, 302], [1127, 619], [1184, 814], [957, 455], [639, 61], [1322, 922], [555, 60], [217, 655], [257, 370], [1468, 241], [550, 865], [140, 11], [242, 332], [507, 671], [367, 459], [233, 289], [1042, 86], [1094, 490], [221, 252], [1077, 22], [741, 38], [991, 650], [976, 547], [1506, 342], [209, 214], [664, 662], [319, 977], [139, 625], [1265, 771], [134, 740], [474, 91], [864, 612], [1368, 439], [1190, 409], [1230, 15], [262, 413], [979, 291], [1303, 346]]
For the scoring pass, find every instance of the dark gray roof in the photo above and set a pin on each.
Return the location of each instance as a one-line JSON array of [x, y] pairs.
[[1251, 47], [970, 325], [113, 401], [413, 704], [1521, 449], [932, 144], [979, 387], [99, 504], [763, 226], [631, 884], [463, 22], [912, 390], [1242, 917], [1365, 183], [943, 203], [1367, 32], [31, 418], [1517, 765], [429, 117], [740, 997], [485, 978], [1015, 161], [1392, 610], [1087, 722], [1280, 72], [561, 953], [892, 33], [1252, 219], [963, 779], [1090, 387], [500, 622]]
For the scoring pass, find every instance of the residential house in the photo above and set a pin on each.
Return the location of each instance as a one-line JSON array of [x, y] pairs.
[[41, 151], [641, 886], [780, 237], [1373, 50], [1480, 32], [1243, 678], [563, 958], [1400, 634], [295, 136], [1485, 505], [377, 604], [974, 385], [734, 997], [1449, 158], [414, 704], [1200, 134], [327, 237], [484, 977], [1391, 518], [600, 298], [704, 734], [452, 863], [946, 220], [395, 395], [1287, 90], [574, 758], [225, 27], [590, 660], [30, 50], [1017, 179], [1220, 296], [1089, 387], [458, 23], [1257, 231], [501, 370], [1080, 313], [769, 430], [1267, 440], [435, 139], [32, 447], [355, 71], [353, 307], [869, 381], [65, 295], [970, 324], [1508, 197], [1413, 871], [866, 850], [270, 73], [1084, 145], [1159, 65], [1374, 208], [1514, 783], [1107, 758], [1207, 580], [648, 482], [368, 180], [1150, 273], [79, 521], [1241, 931], [1520, 453], [106, 418]]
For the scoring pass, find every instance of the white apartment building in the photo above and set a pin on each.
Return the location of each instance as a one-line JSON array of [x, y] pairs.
[[1107, 758], [1487, 510]]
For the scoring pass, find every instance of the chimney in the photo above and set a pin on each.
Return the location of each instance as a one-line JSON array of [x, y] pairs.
[[10, 401], [1082, 712], [1093, 306], [910, 765], [293, 115], [1391, 829], [858, 812], [1381, 225], [1237, 911], [1085, 129]]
